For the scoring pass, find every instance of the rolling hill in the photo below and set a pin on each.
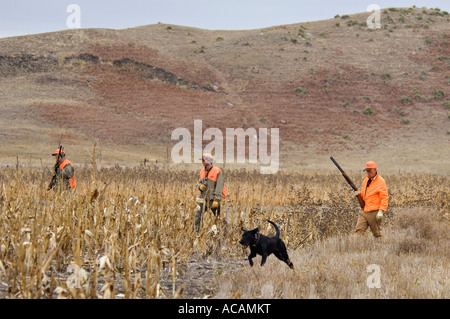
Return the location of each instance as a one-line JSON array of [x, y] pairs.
[[332, 87]]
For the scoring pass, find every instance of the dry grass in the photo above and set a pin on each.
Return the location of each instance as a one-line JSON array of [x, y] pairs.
[[128, 233], [413, 257]]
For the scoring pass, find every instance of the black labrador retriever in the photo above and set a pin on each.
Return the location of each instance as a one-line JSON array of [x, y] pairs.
[[264, 246]]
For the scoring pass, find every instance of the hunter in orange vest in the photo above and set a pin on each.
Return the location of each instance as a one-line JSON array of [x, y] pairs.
[[374, 192], [64, 172], [212, 189]]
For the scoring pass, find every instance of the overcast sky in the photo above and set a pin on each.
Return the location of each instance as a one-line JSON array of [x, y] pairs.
[[19, 17]]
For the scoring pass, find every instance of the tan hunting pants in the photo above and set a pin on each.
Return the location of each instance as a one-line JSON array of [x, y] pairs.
[[368, 219]]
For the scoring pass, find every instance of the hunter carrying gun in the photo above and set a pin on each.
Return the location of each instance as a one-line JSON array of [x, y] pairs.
[[64, 173], [212, 190], [373, 199]]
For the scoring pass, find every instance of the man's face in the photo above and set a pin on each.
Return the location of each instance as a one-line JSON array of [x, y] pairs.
[[371, 172], [205, 163]]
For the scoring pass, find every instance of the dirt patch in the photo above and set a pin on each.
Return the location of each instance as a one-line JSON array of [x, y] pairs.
[[198, 278]]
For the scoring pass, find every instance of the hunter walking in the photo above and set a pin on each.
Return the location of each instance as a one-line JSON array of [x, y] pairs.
[[64, 173], [212, 190], [375, 195]]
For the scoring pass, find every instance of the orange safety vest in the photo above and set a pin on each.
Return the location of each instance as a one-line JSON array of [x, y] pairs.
[[212, 175], [376, 195], [72, 181]]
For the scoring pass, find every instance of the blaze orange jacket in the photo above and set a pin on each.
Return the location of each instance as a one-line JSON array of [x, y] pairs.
[[213, 180], [72, 181], [376, 195]]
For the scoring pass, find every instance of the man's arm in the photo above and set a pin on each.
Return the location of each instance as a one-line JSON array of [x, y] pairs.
[[219, 187], [201, 185], [384, 197]]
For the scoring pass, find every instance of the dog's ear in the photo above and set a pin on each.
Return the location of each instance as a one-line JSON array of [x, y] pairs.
[[256, 230], [243, 229]]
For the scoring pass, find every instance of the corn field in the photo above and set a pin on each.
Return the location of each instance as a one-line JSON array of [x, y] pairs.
[[129, 232]]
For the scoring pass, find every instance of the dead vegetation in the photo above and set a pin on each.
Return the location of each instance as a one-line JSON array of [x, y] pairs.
[[128, 233], [411, 265]]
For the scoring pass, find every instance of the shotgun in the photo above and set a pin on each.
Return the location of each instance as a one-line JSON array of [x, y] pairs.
[[53, 181], [349, 181]]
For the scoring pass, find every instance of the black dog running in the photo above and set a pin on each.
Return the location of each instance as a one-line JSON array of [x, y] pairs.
[[264, 246]]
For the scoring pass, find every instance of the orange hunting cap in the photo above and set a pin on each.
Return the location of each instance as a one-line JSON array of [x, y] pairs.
[[207, 157], [57, 152], [370, 165]]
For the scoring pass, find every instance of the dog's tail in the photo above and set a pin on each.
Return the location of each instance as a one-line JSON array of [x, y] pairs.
[[277, 234]]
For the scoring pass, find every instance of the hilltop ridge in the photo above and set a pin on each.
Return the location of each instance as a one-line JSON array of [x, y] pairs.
[[331, 86]]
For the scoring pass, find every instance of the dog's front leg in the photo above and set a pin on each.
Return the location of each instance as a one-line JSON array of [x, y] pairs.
[[251, 256]]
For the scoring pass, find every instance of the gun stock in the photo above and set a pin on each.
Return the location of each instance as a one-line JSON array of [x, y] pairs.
[[349, 181]]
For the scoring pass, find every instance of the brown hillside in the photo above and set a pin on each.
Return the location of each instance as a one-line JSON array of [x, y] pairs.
[[128, 89]]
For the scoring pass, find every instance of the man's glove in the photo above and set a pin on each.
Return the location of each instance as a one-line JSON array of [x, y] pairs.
[[379, 215], [356, 193], [202, 187], [215, 205]]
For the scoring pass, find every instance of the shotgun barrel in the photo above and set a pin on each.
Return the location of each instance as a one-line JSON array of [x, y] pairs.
[[349, 181], [54, 177]]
